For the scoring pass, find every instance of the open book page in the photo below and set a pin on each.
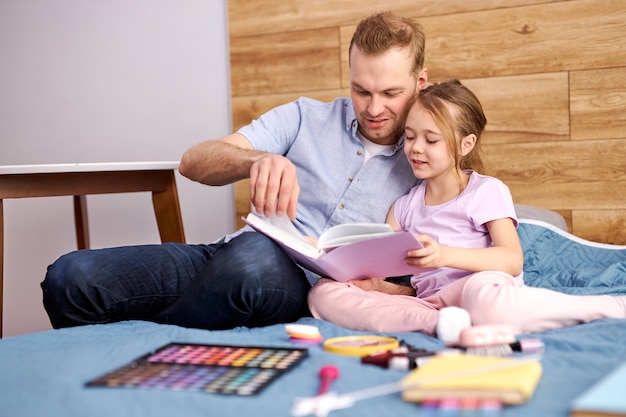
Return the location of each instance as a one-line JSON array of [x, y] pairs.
[[335, 236], [285, 223], [283, 231], [343, 234]]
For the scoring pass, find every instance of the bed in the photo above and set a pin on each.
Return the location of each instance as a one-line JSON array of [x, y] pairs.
[[45, 373]]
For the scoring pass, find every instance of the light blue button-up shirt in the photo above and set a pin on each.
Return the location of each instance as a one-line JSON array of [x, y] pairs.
[[336, 186]]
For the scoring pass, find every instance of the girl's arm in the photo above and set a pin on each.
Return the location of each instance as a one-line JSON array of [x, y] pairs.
[[391, 218], [505, 255]]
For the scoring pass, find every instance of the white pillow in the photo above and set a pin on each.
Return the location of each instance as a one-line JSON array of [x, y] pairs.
[[535, 213]]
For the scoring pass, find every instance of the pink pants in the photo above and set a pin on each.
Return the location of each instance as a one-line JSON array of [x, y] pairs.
[[489, 297]]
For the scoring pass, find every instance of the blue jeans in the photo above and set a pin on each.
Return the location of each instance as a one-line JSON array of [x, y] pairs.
[[249, 281]]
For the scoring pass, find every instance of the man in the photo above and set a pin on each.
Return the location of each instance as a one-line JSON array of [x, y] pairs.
[[320, 164]]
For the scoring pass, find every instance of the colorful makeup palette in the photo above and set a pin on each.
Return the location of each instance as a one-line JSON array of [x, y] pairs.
[[238, 370]]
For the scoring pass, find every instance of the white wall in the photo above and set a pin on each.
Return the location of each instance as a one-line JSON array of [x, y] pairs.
[[101, 81]]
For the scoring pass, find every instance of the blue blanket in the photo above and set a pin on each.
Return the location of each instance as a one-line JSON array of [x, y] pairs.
[[44, 374], [563, 262]]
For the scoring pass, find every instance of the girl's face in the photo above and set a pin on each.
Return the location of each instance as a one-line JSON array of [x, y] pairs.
[[425, 147]]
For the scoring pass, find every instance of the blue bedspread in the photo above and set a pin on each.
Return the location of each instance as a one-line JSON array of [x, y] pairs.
[[43, 374], [560, 261]]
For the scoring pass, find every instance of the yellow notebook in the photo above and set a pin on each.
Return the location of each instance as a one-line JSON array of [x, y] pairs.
[[510, 380]]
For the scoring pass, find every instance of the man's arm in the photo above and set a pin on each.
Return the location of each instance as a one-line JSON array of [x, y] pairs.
[[274, 185], [219, 162]]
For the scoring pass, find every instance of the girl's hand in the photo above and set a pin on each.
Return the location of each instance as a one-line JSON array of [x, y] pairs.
[[504, 255], [432, 255]]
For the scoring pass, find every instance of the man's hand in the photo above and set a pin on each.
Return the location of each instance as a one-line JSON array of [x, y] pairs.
[[274, 186]]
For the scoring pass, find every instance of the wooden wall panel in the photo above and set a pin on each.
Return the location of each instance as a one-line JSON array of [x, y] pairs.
[[600, 225], [242, 201], [599, 103], [525, 40], [276, 63], [524, 108], [551, 76], [574, 175], [253, 17]]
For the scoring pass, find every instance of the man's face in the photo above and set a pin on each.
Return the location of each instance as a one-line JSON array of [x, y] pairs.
[[382, 89]]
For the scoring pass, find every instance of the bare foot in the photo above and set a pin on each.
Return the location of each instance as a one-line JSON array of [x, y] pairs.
[[379, 284]]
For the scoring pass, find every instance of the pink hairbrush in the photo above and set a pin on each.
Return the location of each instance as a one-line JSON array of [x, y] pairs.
[[495, 340]]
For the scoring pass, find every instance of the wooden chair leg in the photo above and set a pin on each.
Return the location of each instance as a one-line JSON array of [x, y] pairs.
[[167, 212], [81, 221]]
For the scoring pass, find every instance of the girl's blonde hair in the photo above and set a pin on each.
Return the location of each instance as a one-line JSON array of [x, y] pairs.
[[458, 113]]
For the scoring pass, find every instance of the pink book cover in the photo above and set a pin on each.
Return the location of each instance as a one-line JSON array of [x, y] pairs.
[[382, 256]]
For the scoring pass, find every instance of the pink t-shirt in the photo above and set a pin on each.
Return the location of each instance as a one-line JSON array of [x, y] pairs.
[[459, 222]]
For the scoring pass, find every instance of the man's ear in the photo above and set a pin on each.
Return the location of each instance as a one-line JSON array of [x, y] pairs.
[[422, 80], [467, 144]]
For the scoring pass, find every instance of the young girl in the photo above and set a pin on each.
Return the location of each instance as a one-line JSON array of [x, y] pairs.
[[467, 224]]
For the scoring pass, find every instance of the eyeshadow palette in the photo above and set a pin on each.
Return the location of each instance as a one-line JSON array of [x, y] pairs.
[[239, 370]]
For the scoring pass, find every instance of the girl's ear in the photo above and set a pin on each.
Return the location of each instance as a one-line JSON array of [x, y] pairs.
[[467, 144]]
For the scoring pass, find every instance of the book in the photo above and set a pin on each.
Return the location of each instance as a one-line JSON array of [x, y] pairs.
[[344, 252], [604, 398], [511, 380]]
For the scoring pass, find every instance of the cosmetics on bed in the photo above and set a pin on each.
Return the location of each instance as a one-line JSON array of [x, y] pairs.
[[404, 358], [303, 334], [476, 340], [461, 407], [327, 374], [360, 346], [239, 370], [523, 345], [495, 340]]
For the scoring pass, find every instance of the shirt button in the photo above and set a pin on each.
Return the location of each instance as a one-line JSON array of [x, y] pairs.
[[350, 179], [341, 206], [359, 152]]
